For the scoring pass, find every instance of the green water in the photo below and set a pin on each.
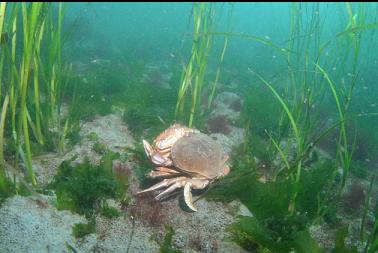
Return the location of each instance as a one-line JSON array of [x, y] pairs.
[[288, 89]]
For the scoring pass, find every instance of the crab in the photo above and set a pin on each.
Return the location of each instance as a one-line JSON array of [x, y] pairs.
[[188, 158]]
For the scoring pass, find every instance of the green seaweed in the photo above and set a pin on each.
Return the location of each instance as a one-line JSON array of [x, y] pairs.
[[166, 246], [340, 246], [301, 191], [372, 241], [73, 134], [366, 209], [92, 136], [81, 188], [99, 148], [80, 230], [138, 121], [7, 188], [70, 248], [143, 164], [107, 159], [273, 226], [252, 235], [108, 211]]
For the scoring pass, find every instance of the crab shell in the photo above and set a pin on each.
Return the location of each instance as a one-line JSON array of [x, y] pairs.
[[164, 142], [199, 155], [188, 158], [159, 153]]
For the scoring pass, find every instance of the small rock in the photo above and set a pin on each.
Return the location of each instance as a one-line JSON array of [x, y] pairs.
[[240, 209]]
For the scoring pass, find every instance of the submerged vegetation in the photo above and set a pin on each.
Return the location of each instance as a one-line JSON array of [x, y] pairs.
[[194, 72], [301, 189], [306, 158], [80, 230], [84, 189], [166, 246], [192, 83], [32, 76], [81, 188]]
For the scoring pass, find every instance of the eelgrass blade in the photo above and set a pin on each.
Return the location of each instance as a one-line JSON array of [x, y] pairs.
[[280, 151], [281, 50], [3, 6], [194, 72], [285, 107], [3, 175], [213, 89], [343, 150], [2, 126], [366, 209]]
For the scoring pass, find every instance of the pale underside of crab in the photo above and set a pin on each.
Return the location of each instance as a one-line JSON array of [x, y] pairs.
[[187, 158]]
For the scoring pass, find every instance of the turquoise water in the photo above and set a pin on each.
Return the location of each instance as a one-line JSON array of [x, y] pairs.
[[286, 91]]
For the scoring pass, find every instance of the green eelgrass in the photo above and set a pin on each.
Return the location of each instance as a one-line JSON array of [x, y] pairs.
[[194, 72], [54, 74], [5, 103], [303, 90], [310, 85], [349, 46], [223, 53], [3, 6], [217, 75], [285, 107], [33, 17], [2, 126], [366, 209], [6, 100], [3, 176], [295, 113], [344, 152], [280, 151], [372, 242], [298, 137], [294, 125], [281, 50], [32, 58]]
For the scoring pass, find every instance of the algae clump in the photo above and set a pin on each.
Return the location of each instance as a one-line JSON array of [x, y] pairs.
[[82, 187]]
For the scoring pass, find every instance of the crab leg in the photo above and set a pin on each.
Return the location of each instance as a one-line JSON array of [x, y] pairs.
[[196, 184], [164, 183], [154, 174], [162, 171], [170, 189], [165, 169]]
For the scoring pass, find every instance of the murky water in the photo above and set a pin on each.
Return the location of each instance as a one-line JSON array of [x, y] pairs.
[[103, 100]]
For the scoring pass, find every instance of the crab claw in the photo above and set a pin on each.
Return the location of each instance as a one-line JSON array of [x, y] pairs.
[[154, 156], [148, 149], [188, 196]]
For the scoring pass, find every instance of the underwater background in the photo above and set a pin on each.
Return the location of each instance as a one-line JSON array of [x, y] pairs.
[[289, 90]]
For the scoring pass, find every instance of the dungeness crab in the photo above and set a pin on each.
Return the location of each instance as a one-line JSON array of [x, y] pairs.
[[189, 158]]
